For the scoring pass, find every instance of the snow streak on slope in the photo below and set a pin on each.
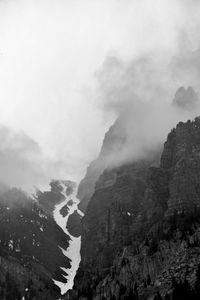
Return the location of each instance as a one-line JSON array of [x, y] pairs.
[[73, 251]]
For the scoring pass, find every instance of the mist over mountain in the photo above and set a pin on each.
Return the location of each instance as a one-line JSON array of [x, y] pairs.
[[140, 50], [19, 159], [105, 93], [140, 235]]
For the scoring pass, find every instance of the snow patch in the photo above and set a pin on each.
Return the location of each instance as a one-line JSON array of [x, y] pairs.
[[73, 250]]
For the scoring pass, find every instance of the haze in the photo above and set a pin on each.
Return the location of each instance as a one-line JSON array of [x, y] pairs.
[[60, 76]]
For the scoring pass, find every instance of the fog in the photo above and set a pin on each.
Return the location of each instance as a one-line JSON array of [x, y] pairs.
[[149, 100], [69, 68]]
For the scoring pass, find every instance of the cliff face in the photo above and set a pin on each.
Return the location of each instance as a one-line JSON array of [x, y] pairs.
[[185, 99], [141, 230], [113, 143], [181, 158]]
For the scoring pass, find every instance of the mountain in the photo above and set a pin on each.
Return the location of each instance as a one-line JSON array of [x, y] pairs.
[[139, 238], [141, 230], [30, 248], [186, 99], [113, 143]]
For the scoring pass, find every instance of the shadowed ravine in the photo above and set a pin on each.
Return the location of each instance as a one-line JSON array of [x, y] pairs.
[[70, 204]]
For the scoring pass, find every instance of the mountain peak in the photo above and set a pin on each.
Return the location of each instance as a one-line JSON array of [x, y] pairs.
[[186, 98]]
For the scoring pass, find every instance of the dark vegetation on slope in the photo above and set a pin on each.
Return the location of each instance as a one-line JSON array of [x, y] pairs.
[[29, 252]]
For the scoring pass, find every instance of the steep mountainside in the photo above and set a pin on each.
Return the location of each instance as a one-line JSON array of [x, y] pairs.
[[113, 143], [29, 248], [185, 99], [141, 230]]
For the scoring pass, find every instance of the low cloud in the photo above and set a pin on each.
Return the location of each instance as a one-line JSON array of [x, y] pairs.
[[149, 96], [49, 51], [20, 158]]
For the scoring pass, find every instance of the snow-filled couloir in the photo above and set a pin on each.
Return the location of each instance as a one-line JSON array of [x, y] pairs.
[[70, 203]]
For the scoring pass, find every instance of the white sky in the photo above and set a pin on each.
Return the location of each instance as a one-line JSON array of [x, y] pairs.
[[49, 52]]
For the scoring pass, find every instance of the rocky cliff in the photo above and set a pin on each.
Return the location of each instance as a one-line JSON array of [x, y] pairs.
[[141, 230]]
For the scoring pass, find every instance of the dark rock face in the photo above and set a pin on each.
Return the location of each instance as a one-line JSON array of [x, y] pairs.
[[186, 99], [141, 228], [113, 142], [111, 209], [65, 210], [49, 199], [18, 280], [74, 224], [29, 253], [181, 158]]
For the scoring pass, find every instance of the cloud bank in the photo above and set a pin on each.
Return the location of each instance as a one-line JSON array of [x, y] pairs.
[[151, 92], [140, 51], [19, 159]]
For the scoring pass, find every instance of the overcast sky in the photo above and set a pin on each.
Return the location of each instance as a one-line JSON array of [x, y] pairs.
[[50, 53]]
